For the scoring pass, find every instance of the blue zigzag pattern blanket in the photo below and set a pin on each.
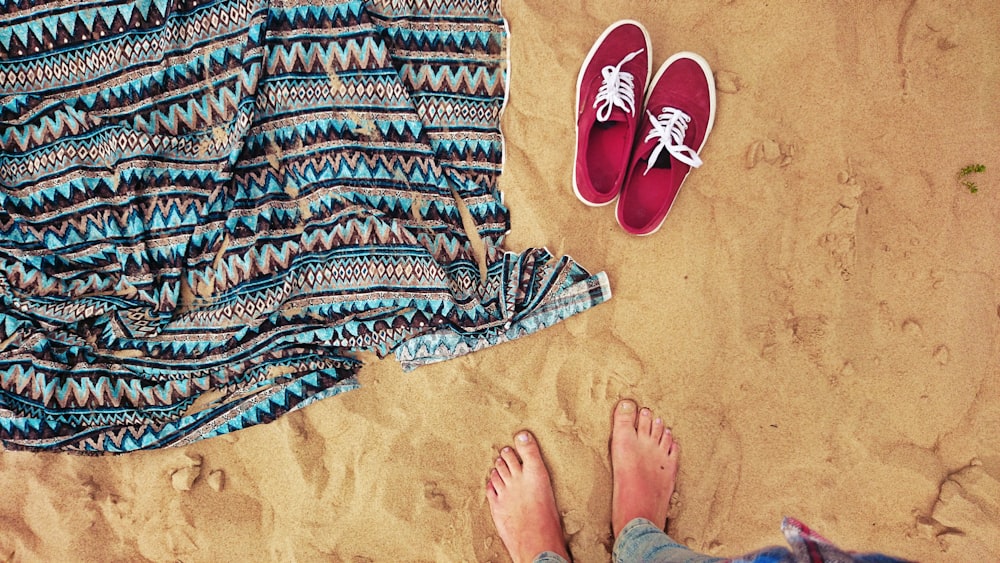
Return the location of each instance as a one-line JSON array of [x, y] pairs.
[[208, 205]]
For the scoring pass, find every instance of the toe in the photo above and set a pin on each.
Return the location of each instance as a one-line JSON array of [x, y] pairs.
[[501, 467], [645, 422], [510, 460], [497, 482], [527, 448], [624, 418], [666, 439], [656, 433], [672, 447]]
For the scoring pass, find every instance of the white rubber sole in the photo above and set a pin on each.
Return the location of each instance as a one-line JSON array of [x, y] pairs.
[[710, 79], [579, 84]]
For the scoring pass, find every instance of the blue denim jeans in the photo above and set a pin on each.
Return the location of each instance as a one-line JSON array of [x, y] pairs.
[[642, 542]]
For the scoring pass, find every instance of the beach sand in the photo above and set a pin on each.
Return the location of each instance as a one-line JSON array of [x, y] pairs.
[[817, 320]]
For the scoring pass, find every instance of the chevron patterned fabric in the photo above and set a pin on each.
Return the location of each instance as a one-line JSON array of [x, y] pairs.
[[209, 205]]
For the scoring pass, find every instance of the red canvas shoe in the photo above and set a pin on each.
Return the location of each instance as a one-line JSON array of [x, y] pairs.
[[611, 82], [679, 114]]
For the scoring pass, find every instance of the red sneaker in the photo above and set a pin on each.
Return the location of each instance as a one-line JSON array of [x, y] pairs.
[[680, 112], [611, 82]]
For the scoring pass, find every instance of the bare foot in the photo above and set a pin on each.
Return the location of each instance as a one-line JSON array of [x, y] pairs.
[[643, 467], [522, 504]]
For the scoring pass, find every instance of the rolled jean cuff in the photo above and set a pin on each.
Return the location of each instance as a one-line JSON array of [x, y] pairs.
[[549, 557], [641, 541]]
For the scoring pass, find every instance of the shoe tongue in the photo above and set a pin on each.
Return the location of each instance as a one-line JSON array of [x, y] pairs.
[[662, 160], [617, 116]]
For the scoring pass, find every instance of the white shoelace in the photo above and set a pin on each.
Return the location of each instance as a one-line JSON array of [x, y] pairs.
[[669, 129], [617, 89]]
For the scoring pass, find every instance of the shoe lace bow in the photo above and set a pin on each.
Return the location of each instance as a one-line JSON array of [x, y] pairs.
[[669, 129], [617, 89]]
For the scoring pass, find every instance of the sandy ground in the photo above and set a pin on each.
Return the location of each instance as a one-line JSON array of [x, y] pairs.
[[817, 321]]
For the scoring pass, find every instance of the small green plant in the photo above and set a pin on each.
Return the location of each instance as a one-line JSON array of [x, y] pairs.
[[970, 169]]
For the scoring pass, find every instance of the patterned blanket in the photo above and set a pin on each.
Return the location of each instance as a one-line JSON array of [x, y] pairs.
[[208, 205]]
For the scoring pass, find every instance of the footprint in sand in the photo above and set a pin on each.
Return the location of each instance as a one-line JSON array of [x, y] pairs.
[[810, 335], [848, 176], [912, 327], [724, 469], [926, 33], [435, 496], [168, 532], [942, 355], [217, 480], [841, 236], [728, 82], [773, 152], [309, 452], [16, 535], [846, 371], [183, 477], [967, 499], [170, 540]]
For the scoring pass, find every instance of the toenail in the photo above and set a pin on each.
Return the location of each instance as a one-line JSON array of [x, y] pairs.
[[645, 412], [523, 437], [506, 449], [658, 421], [627, 406]]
